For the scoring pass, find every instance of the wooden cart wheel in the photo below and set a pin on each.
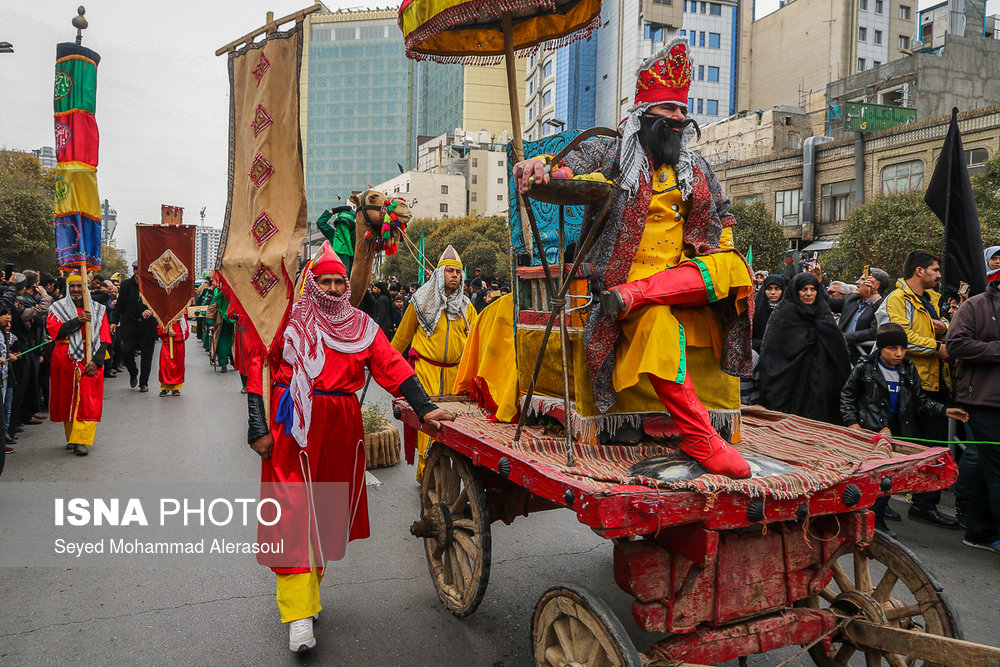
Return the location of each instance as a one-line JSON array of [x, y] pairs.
[[572, 626], [885, 583], [455, 525]]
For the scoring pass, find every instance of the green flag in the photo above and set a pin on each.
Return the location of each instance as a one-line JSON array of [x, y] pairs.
[[750, 255], [420, 259]]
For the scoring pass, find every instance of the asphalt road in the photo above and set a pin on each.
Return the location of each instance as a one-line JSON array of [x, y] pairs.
[[379, 609]]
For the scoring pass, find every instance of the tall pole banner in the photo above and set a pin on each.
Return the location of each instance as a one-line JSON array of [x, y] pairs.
[[265, 219], [77, 203]]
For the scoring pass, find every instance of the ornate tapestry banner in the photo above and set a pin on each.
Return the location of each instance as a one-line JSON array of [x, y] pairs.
[[266, 213], [171, 215], [77, 203], [166, 268]]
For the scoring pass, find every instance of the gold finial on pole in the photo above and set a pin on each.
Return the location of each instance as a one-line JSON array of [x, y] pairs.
[[80, 23]]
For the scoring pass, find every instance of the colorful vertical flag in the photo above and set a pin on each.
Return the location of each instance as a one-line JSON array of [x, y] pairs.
[[77, 203], [949, 195], [420, 260], [750, 256]]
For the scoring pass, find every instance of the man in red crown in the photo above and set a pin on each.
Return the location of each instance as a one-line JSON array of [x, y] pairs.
[[313, 437], [665, 266]]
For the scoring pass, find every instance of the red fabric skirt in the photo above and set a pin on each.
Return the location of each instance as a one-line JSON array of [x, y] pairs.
[[65, 391], [171, 370], [335, 452]]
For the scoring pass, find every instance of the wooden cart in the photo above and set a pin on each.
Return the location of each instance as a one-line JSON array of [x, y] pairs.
[[718, 576]]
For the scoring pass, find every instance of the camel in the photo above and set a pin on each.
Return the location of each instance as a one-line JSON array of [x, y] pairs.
[[368, 218]]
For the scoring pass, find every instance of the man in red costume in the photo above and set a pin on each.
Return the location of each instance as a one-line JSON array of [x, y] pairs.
[[665, 267], [172, 356], [76, 393], [314, 434]]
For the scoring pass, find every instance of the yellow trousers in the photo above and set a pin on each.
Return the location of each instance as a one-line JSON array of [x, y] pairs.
[[80, 432], [170, 387], [298, 595]]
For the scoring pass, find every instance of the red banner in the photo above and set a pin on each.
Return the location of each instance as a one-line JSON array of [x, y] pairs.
[[166, 268]]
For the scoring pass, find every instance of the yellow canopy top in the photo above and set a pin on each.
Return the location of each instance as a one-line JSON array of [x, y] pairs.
[[470, 31]]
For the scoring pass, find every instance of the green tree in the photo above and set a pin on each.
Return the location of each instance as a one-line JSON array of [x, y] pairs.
[[757, 229], [481, 242], [112, 262], [986, 188], [882, 233], [26, 212]]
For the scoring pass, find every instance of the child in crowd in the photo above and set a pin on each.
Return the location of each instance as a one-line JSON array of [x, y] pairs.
[[883, 394]]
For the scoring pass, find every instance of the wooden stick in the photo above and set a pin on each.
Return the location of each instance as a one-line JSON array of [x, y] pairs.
[[515, 112], [88, 327], [270, 26]]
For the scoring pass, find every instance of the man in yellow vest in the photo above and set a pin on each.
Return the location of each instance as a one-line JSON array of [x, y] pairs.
[[435, 327]]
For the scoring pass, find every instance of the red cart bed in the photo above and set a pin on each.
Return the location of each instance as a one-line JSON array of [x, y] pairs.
[[723, 568]]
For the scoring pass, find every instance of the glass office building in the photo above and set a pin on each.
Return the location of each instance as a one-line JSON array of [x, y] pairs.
[[365, 103]]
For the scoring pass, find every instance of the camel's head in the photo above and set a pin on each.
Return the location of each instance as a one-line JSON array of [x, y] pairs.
[[384, 217]]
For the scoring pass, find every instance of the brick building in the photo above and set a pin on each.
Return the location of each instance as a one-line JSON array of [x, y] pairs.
[[900, 159]]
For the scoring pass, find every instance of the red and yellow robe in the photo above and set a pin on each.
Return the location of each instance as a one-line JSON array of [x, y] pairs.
[[73, 395], [335, 447], [172, 356]]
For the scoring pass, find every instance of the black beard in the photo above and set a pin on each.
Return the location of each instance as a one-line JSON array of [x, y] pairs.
[[662, 137]]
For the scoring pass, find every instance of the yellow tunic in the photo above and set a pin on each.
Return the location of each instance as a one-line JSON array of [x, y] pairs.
[[445, 345], [655, 338], [490, 355]]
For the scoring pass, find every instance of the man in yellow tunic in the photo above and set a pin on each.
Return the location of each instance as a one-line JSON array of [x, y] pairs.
[[435, 327], [665, 267]]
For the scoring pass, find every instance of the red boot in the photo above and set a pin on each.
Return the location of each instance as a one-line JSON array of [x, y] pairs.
[[700, 439], [682, 285]]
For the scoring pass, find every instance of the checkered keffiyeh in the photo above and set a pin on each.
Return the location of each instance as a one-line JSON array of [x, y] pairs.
[[430, 300], [319, 323]]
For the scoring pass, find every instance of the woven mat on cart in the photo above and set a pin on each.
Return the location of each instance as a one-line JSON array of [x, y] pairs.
[[822, 454]]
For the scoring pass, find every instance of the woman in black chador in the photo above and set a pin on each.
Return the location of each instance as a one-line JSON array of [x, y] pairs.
[[803, 360]]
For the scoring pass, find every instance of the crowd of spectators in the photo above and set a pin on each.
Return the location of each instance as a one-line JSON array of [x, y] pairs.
[[898, 358]]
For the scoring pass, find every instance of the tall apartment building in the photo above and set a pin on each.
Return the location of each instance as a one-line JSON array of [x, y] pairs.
[[633, 31], [47, 156], [712, 30], [561, 89], [806, 44], [206, 249], [365, 105], [485, 101], [480, 158]]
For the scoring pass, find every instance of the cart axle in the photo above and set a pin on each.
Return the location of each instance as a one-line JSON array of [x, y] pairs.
[[920, 645]]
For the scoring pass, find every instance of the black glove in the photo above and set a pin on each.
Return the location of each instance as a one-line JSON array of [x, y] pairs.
[[256, 424], [414, 393], [69, 327]]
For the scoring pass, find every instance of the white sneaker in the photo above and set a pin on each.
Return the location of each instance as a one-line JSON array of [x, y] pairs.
[[300, 635]]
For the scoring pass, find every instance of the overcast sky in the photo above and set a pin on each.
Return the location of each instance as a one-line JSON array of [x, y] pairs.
[[163, 108], [162, 95]]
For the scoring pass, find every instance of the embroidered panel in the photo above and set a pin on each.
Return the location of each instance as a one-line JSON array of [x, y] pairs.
[[263, 64], [263, 280], [261, 120], [263, 228], [260, 170]]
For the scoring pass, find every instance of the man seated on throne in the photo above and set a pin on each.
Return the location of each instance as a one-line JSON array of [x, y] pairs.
[[664, 265]]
